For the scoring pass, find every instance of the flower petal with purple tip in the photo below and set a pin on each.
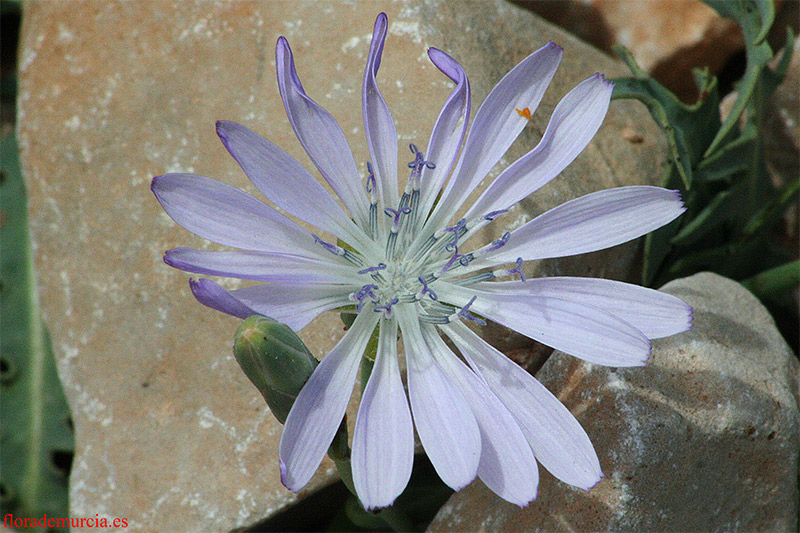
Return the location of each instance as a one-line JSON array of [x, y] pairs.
[[287, 183], [497, 124], [574, 122], [578, 329], [559, 442], [321, 404], [507, 464], [378, 123], [224, 214], [445, 423], [260, 266], [383, 441], [320, 135], [656, 314], [592, 222]]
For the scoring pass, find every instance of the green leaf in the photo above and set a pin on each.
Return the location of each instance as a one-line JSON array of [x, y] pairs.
[[760, 15], [736, 156], [689, 128], [713, 214], [770, 213], [775, 280], [36, 442], [755, 19]]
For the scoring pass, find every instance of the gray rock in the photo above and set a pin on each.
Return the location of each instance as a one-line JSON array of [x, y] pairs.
[[168, 430], [705, 438]]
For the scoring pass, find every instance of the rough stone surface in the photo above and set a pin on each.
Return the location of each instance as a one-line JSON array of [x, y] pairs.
[[168, 431], [705, 438], [668, 38]]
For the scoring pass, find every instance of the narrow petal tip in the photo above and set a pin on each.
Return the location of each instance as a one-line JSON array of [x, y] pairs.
[[552, 44], [285, 475], [446, 64], [222, 126], [679, 198]]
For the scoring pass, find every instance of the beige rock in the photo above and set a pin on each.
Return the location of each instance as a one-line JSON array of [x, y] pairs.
[[668, 38], [704, 438], [169, 433]]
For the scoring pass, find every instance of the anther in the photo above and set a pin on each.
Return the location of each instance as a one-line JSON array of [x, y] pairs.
[[499, 243], [387, 309], [332, 248], [518, 270], [451, 262], [464, 313], [396, 213], [362, 293], [419, 159], [426, 290], [371, 184], [494, 214], [369, 270]]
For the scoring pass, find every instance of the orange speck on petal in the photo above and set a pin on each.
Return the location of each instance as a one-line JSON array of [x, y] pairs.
[[524, 113]]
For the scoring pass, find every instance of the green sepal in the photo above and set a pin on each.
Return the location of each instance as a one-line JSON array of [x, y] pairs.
[[275, 360]]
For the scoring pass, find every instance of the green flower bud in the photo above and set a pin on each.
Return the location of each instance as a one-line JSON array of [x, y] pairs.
[[274, 358]]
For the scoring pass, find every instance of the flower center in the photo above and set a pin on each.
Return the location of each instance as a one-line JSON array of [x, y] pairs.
[[409, 268]]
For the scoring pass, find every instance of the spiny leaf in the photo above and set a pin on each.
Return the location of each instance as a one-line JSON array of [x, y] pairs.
[[36, 443]]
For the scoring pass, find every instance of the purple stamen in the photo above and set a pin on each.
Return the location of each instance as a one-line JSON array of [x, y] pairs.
[[499, 243], [452, 246], [387, 309], [371, 184], [362, 293], [368, 270], [427, 290], [396, 213], [464, 313], [332, 248], [456, 257], [494, 214], [518, 270], [419, 160]]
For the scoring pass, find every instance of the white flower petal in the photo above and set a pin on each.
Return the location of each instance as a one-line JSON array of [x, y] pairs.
[[378, 122], [318, 410], [383, 441], [445, 423], [212, 295], [294, 304], [287, 183], [656, 314], [592, 222], [507, 465], [448, 132], [321, 136], [497, 124], [224, 214], [580, 330], [262, 266], [559, 442], [574, 122]]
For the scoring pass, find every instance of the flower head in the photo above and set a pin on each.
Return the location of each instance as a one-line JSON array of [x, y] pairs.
[[408, 267]]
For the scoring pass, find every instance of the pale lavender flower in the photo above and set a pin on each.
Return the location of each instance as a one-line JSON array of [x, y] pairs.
[[408, 267]]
